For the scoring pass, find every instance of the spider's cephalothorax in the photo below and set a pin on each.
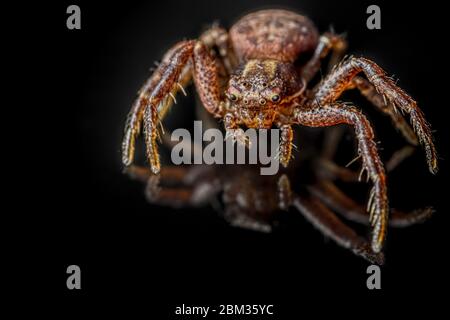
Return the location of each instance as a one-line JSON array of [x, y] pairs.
[[262, 90], [248, 77]]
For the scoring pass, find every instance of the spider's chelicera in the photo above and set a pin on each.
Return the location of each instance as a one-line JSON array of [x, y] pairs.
[[250, 76]]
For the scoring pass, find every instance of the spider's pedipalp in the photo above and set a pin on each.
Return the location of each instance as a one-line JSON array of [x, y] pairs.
[[287, 135]]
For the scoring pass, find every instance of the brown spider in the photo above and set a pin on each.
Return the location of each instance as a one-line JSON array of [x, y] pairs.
[[255, 80]]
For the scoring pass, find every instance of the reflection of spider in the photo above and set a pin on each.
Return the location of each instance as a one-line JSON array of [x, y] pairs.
[[251, 200], [253, 76]]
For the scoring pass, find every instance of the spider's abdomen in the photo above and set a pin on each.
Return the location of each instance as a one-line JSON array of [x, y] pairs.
[[273, 34]]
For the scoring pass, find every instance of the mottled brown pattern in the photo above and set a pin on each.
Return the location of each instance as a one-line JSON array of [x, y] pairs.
[[275, 34], [206, 79], [248, 77]]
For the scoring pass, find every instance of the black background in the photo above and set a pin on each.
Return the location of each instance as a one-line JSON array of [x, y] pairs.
[[136, 257]]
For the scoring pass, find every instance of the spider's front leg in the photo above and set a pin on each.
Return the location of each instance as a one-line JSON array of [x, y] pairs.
[[333, 114], [342, 79], [150, 96], [185, 59]]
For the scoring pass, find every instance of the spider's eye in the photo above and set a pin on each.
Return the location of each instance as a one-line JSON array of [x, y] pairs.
[[233, 97], [275, 98]]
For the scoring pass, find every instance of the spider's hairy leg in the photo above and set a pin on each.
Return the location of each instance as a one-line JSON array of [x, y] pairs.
[[370, 93], [333, 114], [341, 78], [329, 41], [338, 201], [183, 60], [330, 225], [217, 37]]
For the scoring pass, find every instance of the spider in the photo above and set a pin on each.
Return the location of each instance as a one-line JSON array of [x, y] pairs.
[[253, 76]]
